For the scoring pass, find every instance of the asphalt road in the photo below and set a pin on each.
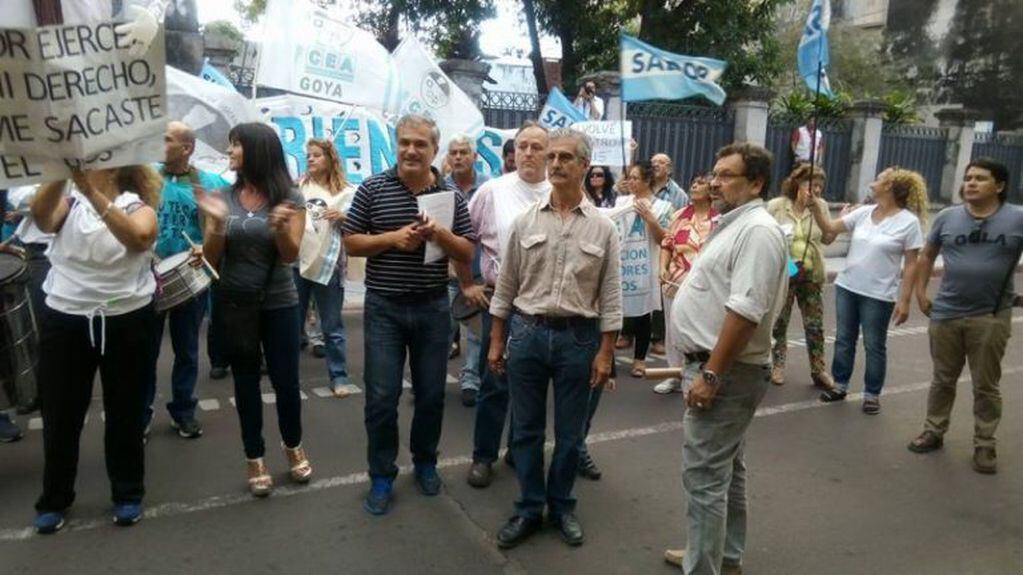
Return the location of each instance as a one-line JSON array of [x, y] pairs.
[[831, 490]]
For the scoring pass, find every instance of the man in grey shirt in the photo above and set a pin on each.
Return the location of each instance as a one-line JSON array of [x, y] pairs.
[[722, 318], [971, 316]]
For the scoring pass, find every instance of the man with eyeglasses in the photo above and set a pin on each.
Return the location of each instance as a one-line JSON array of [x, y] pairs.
[[971, 316], [559, 294], [722, 316]]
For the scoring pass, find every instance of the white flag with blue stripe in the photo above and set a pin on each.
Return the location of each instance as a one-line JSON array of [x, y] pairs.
[[559, 112], [813, 56], [650, 73]]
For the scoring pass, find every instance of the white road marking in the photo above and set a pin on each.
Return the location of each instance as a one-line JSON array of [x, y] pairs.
[[322, 392], [406, 384], [269, 398], [172, 509], [451, 378], [209, 404], [303, 395], [35, 423]]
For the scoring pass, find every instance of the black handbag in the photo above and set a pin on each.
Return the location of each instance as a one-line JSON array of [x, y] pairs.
[[238, 313]]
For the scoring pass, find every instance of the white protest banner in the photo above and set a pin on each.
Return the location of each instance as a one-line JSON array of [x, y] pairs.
[[74, 92], [311, 49], [426, 90], [363, 139], [610, 141], [22, 171]]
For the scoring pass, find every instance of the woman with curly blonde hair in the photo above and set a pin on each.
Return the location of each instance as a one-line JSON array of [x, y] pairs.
[[886, 238]]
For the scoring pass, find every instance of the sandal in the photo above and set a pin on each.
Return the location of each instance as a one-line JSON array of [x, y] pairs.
[[638, 369], [926, 442], [301, 470], [778, 375], [260, 482]]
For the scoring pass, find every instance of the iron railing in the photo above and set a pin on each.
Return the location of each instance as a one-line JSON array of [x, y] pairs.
[[919, 148]]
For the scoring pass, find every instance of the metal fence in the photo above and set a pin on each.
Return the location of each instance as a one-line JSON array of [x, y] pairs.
[[690, 135], [837, 136], [918, 148], [507, 110], [1009, 151]]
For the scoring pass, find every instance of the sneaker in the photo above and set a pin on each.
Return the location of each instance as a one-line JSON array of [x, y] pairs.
[[871, 406], [778, 375], [469, 397], [667, 386], [126, 514], [378, 500], [49, 522], [588, 468], [187, 428], [427, 479], [833, 395], [926, 442], [320, 350], [9, 432], [218, 372], [985, 460], [480, 475]]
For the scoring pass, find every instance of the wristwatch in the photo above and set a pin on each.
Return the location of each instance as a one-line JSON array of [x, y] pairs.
[[710, 377]]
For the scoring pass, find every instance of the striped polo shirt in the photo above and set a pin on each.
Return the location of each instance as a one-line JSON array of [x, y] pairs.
[[383, 204]]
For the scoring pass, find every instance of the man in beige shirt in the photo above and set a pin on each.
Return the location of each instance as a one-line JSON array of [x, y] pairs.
[[722, 317], [559, 291]]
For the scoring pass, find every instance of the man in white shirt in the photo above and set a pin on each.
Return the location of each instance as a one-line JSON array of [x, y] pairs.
[[493, 209], [804, 138], [722, 316]]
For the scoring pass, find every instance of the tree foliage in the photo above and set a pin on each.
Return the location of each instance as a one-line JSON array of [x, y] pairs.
[[226, 29]]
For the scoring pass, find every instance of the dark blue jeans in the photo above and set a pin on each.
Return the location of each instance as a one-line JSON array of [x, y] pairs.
[[278, 334], [591, 409], [185, 321], [394, 326], [491, 404], [853, 312], [538, 355], [329, 301]]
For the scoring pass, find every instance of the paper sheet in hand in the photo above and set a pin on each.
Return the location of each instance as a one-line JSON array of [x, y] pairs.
[[441, 208]]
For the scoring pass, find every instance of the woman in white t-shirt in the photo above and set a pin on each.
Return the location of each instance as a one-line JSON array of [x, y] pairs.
[[886, 238], [98, 315], [321, 269]]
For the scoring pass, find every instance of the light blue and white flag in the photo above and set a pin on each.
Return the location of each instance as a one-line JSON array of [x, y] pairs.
[[650, 73], [813, 56], [559, 112], [211, 74]]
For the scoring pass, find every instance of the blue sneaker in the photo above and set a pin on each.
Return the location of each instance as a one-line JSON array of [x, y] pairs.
[[9, 432], [378, 500], [126, 514], [427, 479], [49, 522]]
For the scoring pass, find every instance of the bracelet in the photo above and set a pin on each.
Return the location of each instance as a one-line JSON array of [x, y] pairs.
[[103, 216]]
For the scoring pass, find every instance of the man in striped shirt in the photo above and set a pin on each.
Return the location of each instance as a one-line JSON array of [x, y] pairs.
[[406, 308]]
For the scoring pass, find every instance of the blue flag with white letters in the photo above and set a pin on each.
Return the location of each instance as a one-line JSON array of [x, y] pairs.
[[559, 112], [650, 73], [211, 74], [813, 56]]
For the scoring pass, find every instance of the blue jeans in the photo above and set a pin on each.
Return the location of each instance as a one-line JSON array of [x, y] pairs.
[[185, 321], [329, 301], [469, 376], [537, 355], [853, 312], [591, 409], [491, 405], [419, 326], [278, 334], [713, 471]]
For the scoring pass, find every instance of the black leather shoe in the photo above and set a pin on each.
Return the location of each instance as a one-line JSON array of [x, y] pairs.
[[480, 475], [517, 530], [589, 469], [571, 529]]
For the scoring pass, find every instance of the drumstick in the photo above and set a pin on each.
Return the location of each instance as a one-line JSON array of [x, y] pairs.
[[205, 263], [662, 372]]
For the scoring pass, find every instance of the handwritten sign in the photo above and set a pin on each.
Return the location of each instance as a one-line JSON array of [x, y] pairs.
[[610, 141]]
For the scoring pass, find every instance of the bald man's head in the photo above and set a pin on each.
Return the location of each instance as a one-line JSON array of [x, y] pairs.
[[179, 143]]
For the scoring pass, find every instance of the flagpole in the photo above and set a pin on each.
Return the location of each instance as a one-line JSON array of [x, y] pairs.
[[813, 144], [621, 120]]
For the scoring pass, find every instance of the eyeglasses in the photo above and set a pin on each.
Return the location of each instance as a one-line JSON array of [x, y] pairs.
[[724, 176]]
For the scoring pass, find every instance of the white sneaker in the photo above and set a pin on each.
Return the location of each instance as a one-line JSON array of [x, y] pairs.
[[667, 386]]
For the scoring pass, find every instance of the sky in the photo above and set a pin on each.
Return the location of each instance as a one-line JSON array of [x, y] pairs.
[[496, 36]]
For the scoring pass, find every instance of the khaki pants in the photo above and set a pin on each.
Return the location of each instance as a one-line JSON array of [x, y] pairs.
[[981, 340]]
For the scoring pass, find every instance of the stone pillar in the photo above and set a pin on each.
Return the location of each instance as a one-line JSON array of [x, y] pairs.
[[865, 147], [751, 106], [958, 149], [183, 41], [467, 75]]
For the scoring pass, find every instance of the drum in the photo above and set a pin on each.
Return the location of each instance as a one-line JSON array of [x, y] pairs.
[[19, 340], [178, 281]]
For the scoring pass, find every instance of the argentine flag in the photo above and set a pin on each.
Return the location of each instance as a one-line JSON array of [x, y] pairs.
[[211, 74], [559, 112], [650, 73], [813, 53]]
